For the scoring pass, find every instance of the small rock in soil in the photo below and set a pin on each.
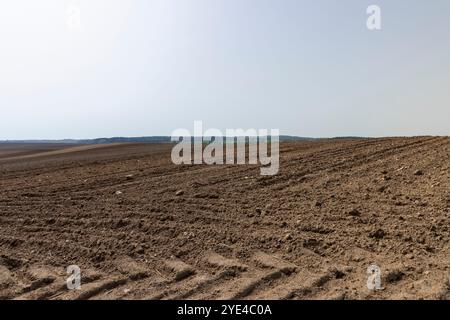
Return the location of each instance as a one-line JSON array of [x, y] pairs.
[[378, 234], [354, 213]]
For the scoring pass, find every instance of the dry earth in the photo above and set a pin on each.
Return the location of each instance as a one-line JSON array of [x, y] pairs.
[[140, 227]]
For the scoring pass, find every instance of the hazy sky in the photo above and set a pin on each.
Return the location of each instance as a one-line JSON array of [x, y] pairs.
[[147, 67]]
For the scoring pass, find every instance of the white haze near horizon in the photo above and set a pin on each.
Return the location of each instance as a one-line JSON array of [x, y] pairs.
[[148, 67]]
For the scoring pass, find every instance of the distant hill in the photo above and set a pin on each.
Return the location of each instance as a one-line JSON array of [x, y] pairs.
[[150, 139]]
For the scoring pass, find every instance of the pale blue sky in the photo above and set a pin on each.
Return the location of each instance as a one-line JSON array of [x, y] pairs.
[[147, 67]]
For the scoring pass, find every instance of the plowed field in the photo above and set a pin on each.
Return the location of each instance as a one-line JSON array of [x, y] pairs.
[[140, 227]]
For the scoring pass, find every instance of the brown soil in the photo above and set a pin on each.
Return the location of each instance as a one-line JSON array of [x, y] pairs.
[[140, 227]]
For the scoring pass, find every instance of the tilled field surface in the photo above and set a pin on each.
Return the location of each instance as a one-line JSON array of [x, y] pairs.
[[140, 227]]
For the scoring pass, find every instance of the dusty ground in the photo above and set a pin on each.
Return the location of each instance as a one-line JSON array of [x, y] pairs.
[[140, 227]]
